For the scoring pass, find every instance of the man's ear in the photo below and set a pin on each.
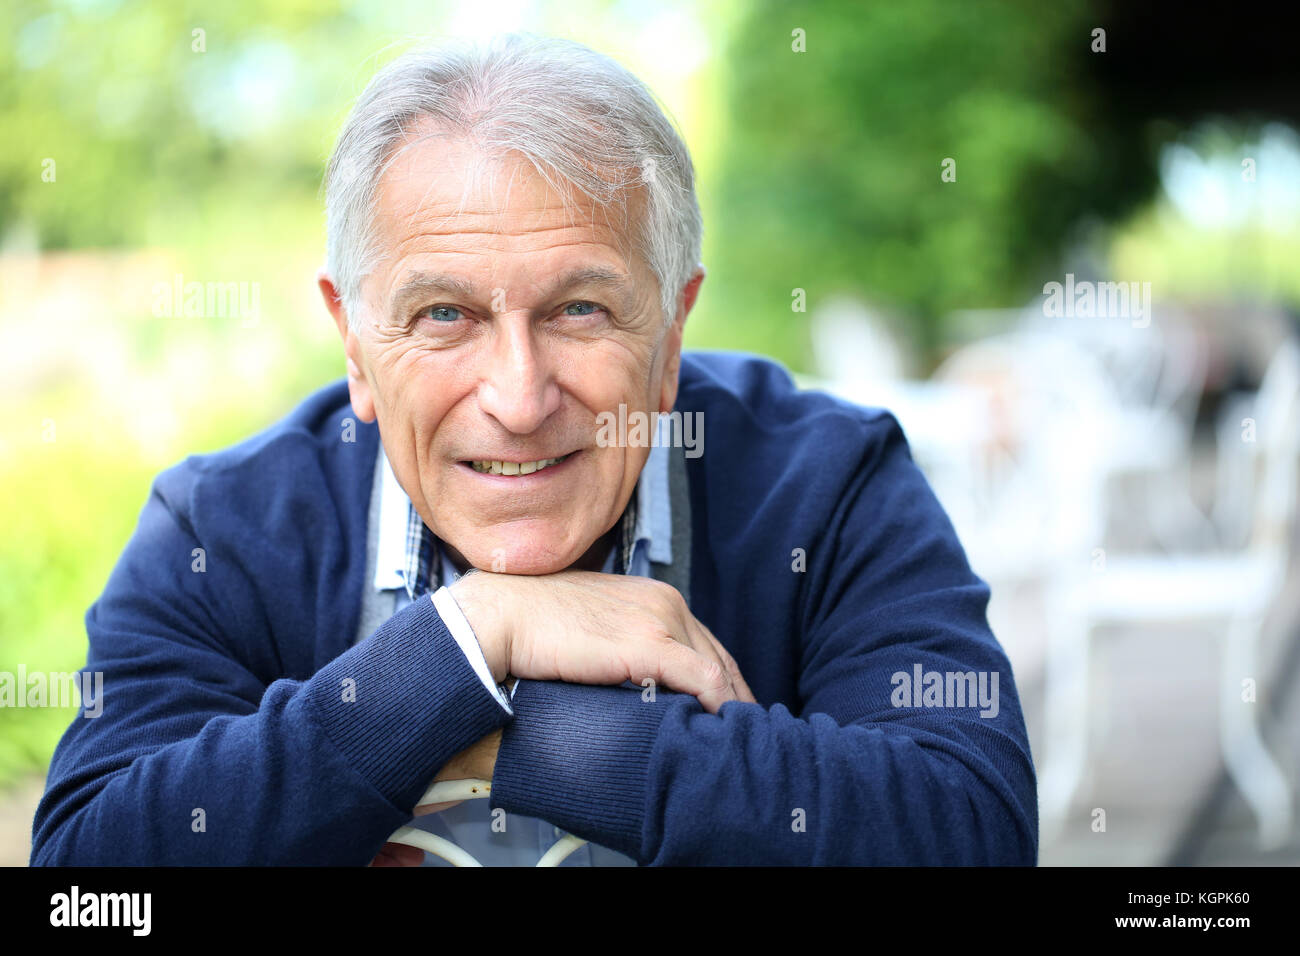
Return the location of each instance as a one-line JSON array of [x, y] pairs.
[[673, 340], [358, 385]]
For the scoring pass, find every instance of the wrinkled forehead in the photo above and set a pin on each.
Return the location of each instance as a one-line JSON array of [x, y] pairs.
[[442, 188]]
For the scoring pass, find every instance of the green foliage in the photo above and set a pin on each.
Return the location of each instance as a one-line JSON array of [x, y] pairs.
[[146, 119], [831, 177]]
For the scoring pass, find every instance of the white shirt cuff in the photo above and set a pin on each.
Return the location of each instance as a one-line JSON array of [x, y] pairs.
[[457, 623]]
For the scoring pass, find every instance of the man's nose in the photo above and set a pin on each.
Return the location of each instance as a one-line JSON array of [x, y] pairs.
[[518, 386]]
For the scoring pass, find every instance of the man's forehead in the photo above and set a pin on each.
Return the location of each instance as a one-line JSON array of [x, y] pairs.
[[441, 184], [450, 219]]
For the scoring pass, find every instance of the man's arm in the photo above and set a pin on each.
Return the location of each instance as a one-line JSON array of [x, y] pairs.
[[211, 748], [839, 776], [198, 760]]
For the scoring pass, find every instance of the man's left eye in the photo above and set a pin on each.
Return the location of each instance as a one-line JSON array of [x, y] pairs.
[[585, 308], [442, 313]]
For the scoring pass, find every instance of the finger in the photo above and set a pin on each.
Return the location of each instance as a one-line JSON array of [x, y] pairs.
[[703, 641], [678, 667], [705, 644], [737, 679], [676, 618]]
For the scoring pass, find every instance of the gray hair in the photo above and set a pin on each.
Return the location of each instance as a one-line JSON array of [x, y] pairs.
[[579, 118]]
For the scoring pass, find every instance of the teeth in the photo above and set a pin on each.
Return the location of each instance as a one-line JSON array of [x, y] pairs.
[[514, 467]]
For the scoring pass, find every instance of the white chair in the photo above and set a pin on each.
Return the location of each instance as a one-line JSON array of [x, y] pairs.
[[1238, 588], [1031, 489], [1157, 375], [447, 791]]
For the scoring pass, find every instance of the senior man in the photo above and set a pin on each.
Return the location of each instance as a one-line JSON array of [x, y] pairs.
[[735, 649]]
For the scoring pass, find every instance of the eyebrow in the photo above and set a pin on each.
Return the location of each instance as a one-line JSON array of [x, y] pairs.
[[421, 285]]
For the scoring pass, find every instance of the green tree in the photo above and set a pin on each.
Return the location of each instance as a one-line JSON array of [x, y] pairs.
[[832, 172]]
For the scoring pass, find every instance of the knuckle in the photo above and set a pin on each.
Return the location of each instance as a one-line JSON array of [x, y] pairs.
[[665, 596], [659, 587], [715, 675], [658, 633], [657, 630]]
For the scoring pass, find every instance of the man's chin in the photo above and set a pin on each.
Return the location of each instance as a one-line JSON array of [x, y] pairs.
[[523, 558]]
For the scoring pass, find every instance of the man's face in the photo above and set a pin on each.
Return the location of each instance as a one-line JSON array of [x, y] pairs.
[[499, 325]]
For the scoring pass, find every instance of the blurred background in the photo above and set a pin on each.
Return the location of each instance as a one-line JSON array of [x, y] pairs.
[[890, 192]]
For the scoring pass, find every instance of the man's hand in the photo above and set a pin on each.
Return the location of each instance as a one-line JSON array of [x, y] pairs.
[[588, 628], [583, 628]]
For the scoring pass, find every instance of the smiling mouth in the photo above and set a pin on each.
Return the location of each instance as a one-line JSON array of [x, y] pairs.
[[514, 468]]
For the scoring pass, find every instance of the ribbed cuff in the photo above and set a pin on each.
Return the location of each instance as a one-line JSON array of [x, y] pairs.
[[578, 756], [402, 702], [467, 640]]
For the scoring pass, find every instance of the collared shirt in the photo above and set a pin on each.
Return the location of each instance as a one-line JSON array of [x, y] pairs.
[[409, 557]]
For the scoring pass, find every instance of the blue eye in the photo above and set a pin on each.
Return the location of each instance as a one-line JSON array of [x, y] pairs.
[[568, 309], [442, 313]]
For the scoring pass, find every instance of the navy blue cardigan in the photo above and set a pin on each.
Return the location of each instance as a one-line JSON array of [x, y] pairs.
[[227, 737]]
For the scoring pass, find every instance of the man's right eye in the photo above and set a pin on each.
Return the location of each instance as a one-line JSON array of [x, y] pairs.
[[440, 313]]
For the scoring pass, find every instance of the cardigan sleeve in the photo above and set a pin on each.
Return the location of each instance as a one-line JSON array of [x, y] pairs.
[[850, 773], [195, 759]]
